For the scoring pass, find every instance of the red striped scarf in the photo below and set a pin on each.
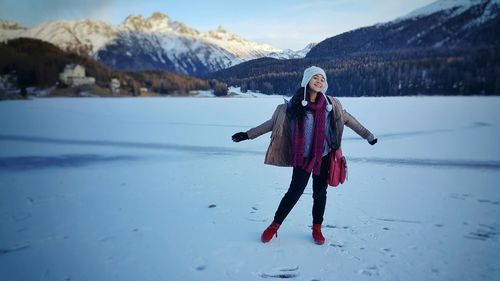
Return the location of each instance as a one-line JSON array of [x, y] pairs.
[[313, 162]]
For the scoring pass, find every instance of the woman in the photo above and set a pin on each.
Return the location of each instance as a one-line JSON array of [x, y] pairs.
[[304, 131]]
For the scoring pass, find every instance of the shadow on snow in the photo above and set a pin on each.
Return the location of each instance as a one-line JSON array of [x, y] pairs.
[[33, 162], [24, 163]]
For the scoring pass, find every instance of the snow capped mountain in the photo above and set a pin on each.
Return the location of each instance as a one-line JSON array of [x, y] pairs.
[[238, 46], [457, 21], [10, 30], [161, 43], [444, 24], [434, 51], [291, 54], [234, 44], [158, 42], [456, 7], [487, 10], [141, 43], [134, 50], [80, 36], [5, 24], [158, 22]]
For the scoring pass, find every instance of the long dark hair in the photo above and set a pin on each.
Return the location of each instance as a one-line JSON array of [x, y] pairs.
[[296, 110]]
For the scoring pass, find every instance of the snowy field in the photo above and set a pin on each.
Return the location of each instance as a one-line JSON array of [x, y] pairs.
[[154, 189]]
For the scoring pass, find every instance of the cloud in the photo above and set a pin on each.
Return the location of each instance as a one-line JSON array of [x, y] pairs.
[[315, 20], [293, 35]]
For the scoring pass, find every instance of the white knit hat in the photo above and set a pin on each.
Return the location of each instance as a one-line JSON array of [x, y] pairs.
[[308, 74]]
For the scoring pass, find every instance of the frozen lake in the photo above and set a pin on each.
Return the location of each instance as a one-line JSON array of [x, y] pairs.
[[154, 189]]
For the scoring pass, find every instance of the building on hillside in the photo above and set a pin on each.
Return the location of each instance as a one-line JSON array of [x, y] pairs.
[[143, 91], [115, 86], [74, 75], [8, 87]]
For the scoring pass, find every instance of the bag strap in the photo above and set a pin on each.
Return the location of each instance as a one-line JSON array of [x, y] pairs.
[[332, 119]]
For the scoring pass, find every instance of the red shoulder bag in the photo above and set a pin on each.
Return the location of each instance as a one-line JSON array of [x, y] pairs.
[[337, 173]]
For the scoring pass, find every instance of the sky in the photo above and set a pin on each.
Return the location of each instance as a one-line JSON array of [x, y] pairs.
[[285, 24]]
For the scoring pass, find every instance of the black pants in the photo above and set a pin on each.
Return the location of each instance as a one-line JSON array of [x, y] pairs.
[[299, 182]]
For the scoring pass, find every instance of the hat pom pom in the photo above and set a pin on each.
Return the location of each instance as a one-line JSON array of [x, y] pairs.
[[304, 103]]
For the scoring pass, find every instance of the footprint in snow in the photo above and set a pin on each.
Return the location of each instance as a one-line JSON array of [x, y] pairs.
[[462, 196], [13, 249], [256, 220], [254, 210], [30, 200], [336, 226], [487, 201], [201, 267], [279, 275], [254, 216], [284, 273], [484, 232], [371, 270]]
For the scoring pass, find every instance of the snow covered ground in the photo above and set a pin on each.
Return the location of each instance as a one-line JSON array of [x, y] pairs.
[[154, 189]]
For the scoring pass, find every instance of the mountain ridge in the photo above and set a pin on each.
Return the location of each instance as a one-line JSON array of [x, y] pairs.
[[450, 28], [170, 45], [455, 51]]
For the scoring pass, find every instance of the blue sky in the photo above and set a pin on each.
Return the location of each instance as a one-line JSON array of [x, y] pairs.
[[282, 23]]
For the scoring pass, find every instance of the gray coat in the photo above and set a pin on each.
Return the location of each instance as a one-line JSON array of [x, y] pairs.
[[279, 151]]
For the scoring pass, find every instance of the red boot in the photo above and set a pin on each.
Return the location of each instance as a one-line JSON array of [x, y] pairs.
[[270, 231], [317, 235]]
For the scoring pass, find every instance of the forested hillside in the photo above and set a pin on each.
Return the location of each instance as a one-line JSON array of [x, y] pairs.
[[36, 63], [452, 51], [409, 72]]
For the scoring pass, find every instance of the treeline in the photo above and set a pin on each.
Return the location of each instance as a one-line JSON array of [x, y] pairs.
[[36, 63], [394, 73], [156, 81]]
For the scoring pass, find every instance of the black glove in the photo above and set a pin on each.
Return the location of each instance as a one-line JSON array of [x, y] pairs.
[[374, 141], [240, 136]]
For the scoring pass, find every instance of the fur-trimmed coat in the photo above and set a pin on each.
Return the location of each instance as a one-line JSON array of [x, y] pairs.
[[279, 151]]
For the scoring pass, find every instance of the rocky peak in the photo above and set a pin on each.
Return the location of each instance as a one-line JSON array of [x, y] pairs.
[[157, 16], [159, 22], [218, 33], [183, 29], [222, 34], [135, 23], [10, 25]]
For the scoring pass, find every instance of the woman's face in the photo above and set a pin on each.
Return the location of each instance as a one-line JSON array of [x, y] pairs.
[[317, 83]]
